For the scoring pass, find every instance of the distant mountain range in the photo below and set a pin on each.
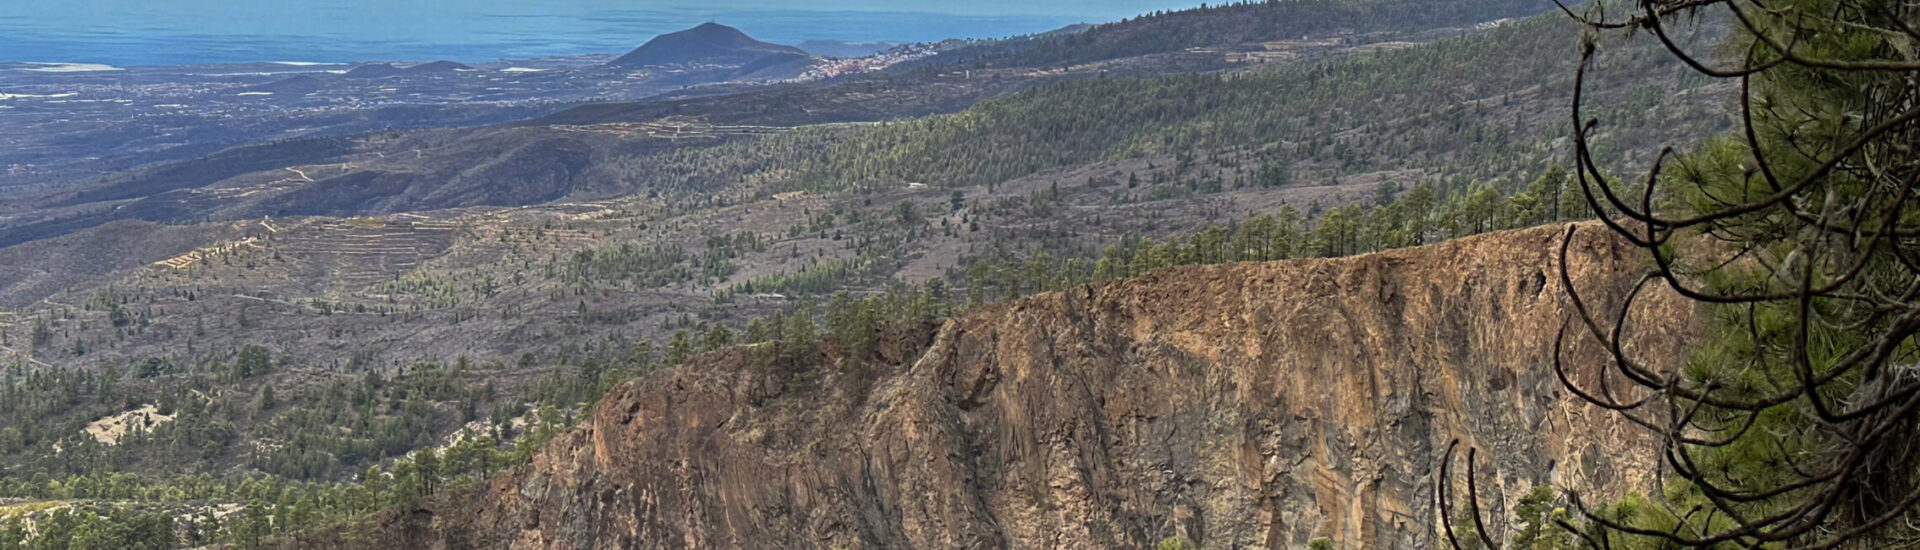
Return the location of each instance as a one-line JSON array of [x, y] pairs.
[[708, 44]]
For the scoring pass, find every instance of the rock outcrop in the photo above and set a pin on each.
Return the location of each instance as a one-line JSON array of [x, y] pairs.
[[1240, 406]]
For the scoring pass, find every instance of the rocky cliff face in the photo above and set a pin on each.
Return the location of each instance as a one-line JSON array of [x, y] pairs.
[[1241, 406]]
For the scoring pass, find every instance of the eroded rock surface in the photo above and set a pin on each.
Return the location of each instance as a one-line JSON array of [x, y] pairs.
[[1241, 406]]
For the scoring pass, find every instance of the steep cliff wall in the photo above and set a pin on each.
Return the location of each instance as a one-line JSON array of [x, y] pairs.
[[1249, 405]]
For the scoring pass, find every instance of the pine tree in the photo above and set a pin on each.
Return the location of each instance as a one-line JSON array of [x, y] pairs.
[[680, 348], [1798, 413]]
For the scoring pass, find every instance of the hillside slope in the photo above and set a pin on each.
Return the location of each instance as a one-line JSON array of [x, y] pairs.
[[1464, 108], [1236, 405], [1273, 22]]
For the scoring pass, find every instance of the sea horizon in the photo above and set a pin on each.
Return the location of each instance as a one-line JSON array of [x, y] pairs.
[[320, 34]]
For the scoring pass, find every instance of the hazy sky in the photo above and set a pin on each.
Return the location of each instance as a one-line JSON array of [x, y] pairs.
[[193, 31]]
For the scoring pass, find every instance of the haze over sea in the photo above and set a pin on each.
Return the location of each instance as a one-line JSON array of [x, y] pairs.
[[185, 32]]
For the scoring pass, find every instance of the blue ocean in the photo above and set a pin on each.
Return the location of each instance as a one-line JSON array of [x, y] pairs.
[[188, 32]]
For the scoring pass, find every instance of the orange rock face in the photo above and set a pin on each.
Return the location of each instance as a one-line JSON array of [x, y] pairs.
[[1239, 406]]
